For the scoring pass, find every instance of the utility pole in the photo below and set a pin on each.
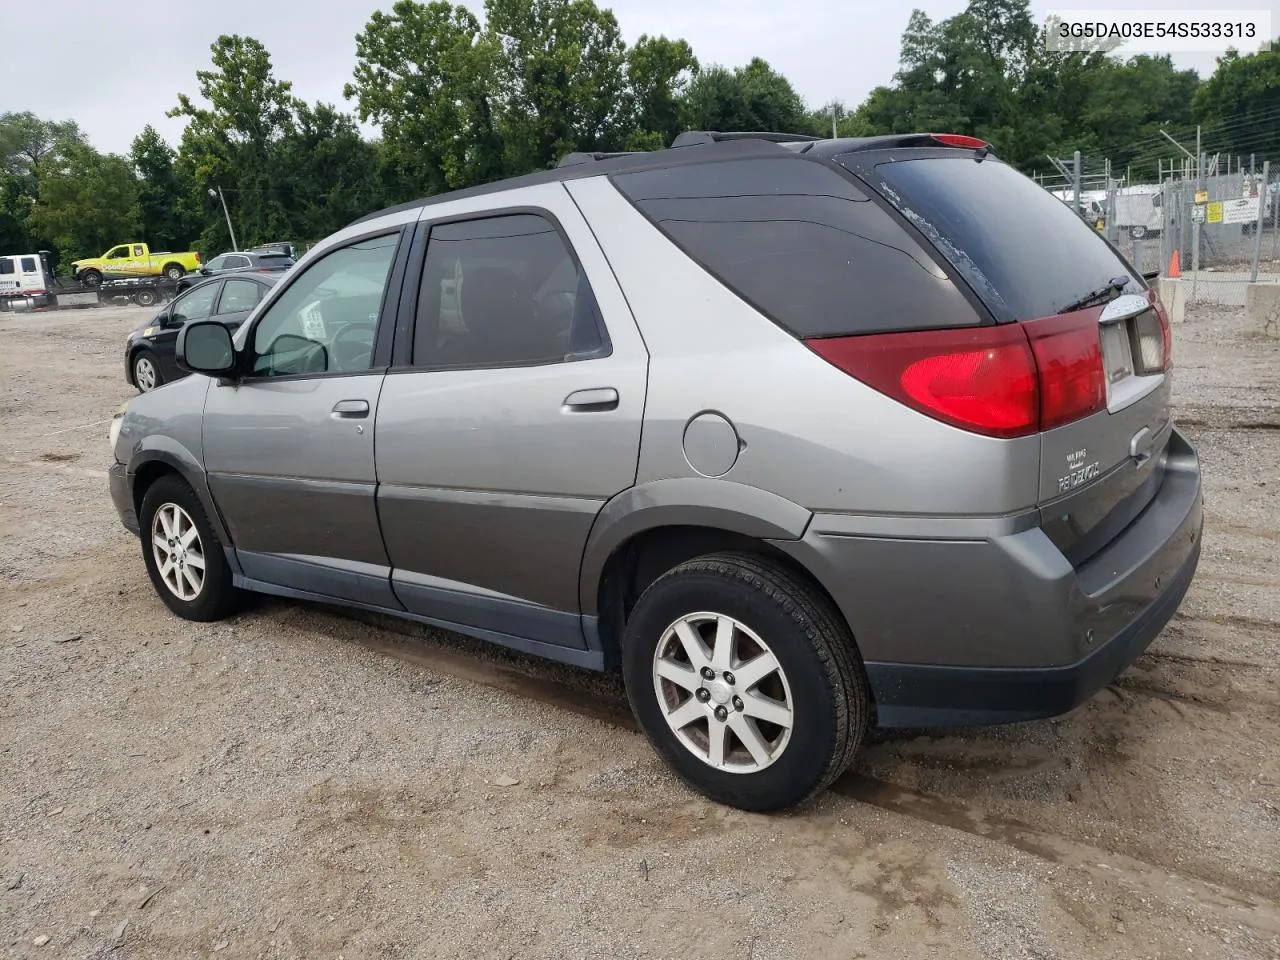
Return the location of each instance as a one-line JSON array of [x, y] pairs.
[[1195, 225], [834, 133], [1257, 227], [225, 213]]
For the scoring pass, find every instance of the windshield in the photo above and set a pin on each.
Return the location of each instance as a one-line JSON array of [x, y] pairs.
[[1022, 250]]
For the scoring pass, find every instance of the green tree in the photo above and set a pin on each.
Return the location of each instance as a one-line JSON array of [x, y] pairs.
[[1240, 103], [233, 143], [333, 172], [752, 97], [164, 194], [426, 74], [87, 201], [562, 79], [659, 71]]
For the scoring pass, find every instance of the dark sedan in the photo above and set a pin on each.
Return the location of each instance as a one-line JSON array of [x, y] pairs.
[[148, 353], [248, 261]]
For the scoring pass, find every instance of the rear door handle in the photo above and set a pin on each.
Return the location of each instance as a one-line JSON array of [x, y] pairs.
[[593, 400], [350, 410]]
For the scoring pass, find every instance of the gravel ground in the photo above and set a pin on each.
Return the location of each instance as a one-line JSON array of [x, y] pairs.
[[302, 783]]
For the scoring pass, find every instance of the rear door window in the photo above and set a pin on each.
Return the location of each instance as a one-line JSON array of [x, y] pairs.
[[239, 296], [802, 244], [1024, 252], [28, 264]]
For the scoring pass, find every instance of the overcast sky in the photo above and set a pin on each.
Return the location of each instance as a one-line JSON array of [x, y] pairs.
[[117, 67]]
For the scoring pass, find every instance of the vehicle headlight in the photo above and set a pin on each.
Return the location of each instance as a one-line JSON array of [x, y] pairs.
[[117, 421]]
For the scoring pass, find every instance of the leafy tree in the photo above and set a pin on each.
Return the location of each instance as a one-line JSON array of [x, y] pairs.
[[426, 74], [753, 97], [164, 193], [658, 75], [333, 172], [25, 139], [561, 80], [87, 202], [233, 142], [1241, 101]]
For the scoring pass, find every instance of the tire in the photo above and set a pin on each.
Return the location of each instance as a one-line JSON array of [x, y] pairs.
[[146, 371], [145, 298], [170, 510], [175, 271], [1137, 232], [819, 677], [90, 278]]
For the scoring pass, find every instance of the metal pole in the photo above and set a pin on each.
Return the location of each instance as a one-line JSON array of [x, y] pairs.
[[1075, 179], [227, 214], [834, 134], [1195, 224], [1257, 227]]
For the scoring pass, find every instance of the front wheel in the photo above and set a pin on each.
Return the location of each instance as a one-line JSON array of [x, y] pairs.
[[746, 681], [146, 372], [183, 555], [90, 278]]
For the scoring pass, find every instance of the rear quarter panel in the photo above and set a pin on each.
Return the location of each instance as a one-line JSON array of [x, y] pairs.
[[806, 431]]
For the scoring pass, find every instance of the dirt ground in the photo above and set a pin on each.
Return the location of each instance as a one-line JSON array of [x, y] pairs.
[[304, 783]]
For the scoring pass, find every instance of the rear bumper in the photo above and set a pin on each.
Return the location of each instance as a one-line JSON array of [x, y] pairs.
[[122, 497], [956, 630]]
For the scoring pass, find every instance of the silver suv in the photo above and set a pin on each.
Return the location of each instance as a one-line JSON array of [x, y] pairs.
[[804, 436]]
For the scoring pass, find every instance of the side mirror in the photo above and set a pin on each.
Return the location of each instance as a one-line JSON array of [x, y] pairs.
[[205, 347]]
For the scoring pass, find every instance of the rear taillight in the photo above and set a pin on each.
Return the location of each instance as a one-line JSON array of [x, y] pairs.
[[1069, 361], [1005, 380], [978, 378]]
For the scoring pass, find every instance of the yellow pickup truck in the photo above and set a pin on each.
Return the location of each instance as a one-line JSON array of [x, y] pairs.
[[133, 260]]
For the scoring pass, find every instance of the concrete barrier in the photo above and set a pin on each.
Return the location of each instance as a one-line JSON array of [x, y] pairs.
[[1173, 293], [1262, 309]]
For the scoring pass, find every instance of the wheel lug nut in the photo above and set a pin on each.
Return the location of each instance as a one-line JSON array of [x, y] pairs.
[[703, 694], [728, 678], [721, 713], [738, 704], [708, 673]]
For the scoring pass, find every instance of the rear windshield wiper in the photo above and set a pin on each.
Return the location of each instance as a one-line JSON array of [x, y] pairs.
[[1115, 285]]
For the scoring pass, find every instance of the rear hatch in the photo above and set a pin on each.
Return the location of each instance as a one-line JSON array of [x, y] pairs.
[[1099, 339]]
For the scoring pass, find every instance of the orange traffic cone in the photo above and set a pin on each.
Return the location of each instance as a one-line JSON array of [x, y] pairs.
[[1174, 269]]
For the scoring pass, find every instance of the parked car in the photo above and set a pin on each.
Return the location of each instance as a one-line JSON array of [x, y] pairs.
[[806, 436], [247, 260], [130, 260], [149, 350]]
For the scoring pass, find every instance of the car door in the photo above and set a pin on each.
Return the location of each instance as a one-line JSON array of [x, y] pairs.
[[196, 304], [511, 414], [288, 449], [115, 265]]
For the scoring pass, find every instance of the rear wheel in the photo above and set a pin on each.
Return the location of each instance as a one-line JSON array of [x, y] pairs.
[[746, 681], [183, 555], [175, 271], [146, 372]]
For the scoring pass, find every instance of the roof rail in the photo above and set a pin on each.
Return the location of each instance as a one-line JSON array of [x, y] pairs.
[[693, 137], [570, 159]]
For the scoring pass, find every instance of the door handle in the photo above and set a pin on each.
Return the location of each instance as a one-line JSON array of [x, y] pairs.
[[350, 409], [591, 401]]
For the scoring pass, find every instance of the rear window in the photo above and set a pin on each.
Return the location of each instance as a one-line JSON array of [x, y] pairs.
[[800, 243], [28, 264], [1023, 251]]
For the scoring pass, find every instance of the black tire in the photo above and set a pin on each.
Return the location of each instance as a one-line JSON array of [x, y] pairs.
[[90, 278], [828, 689], [140, 379], [145, 298], [217, 597], [175, 271]]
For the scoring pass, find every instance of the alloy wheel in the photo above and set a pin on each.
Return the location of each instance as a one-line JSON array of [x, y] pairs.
[[723, 692], [178, 552]]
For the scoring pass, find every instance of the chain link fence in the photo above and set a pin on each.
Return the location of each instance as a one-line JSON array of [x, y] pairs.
[[1224, 227]]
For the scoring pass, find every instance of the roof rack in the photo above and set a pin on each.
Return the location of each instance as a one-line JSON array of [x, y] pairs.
[[693, 137], [570, 159]]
